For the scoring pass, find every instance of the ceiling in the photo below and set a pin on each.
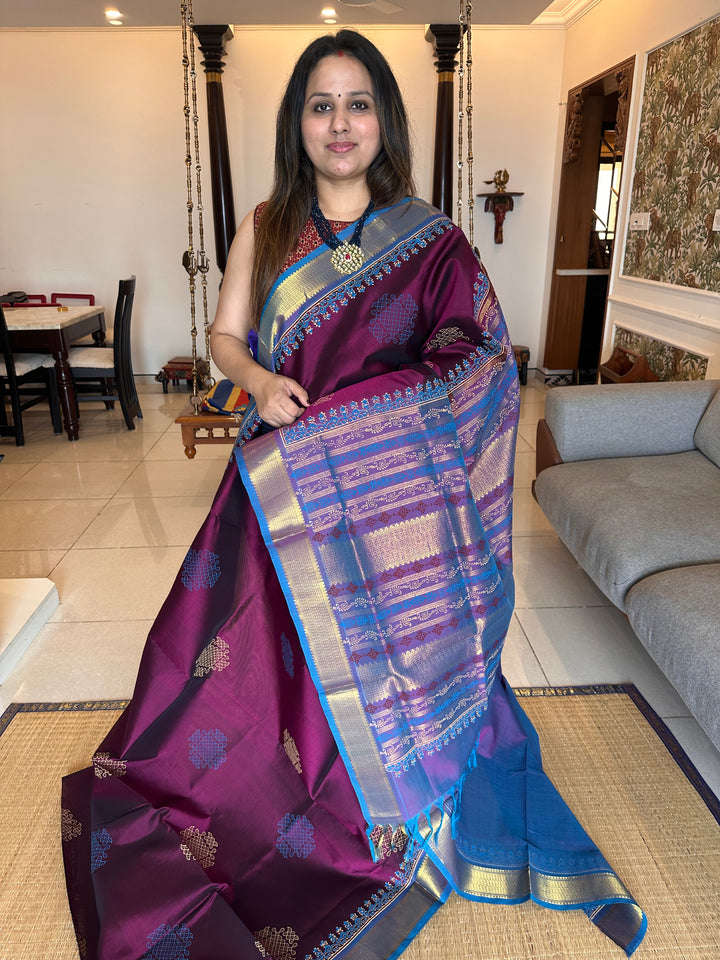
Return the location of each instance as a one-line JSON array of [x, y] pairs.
[[161, 13]]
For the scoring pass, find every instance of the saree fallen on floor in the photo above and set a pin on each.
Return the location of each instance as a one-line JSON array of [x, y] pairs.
[[321, 745]]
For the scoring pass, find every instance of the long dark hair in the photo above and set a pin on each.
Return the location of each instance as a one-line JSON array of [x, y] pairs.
[[389, 177]]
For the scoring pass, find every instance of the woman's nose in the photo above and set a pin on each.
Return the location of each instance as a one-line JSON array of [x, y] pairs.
[[340, 122]]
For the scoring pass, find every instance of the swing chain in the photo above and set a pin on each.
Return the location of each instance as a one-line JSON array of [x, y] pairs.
[[193, 262], [465, 109], [461, 78], [469, 112]]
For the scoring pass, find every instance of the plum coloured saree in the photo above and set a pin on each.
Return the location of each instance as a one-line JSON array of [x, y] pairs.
[[321, 745]]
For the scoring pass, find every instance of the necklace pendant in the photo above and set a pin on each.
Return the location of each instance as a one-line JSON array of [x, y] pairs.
[[347, 258]]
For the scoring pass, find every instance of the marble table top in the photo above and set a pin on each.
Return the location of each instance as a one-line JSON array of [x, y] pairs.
[[47, 318]]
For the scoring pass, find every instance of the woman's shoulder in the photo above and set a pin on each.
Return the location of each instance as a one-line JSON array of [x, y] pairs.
[[258, 212], [417, 211]]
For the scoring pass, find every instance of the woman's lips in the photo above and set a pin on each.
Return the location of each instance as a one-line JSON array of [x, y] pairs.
[[342, 147]]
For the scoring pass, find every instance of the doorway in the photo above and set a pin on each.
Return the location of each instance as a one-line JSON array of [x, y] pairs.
[[595, 132]]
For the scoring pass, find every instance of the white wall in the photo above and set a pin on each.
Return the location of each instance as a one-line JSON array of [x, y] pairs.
[[92, 180], [92, 174], [612, 31], [517, 85]]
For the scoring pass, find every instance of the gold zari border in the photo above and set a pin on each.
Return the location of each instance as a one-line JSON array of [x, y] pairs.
[[322, 637]]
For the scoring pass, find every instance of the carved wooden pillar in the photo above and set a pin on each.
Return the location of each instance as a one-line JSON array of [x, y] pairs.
[[445, 38], [212, 45]]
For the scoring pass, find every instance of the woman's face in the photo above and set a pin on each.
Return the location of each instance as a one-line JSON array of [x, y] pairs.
[[340, 128]]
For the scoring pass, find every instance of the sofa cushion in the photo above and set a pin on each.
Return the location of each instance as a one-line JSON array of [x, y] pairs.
[[707, 435], [624, 519], [627, 419], [676, 615]]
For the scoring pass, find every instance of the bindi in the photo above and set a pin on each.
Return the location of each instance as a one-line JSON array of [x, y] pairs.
[[341, 53]]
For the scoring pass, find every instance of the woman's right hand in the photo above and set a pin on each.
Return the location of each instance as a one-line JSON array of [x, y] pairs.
[[280, 400]]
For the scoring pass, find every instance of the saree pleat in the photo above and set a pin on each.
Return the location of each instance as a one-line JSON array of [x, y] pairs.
[[321, 745]]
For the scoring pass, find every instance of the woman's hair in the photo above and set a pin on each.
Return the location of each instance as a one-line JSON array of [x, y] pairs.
[[389, 177]]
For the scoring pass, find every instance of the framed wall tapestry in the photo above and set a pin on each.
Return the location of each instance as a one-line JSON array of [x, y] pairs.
[[674, 227]]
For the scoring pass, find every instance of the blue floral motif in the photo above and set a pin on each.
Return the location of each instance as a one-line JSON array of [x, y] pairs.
[[393, 318], [200, 570], [100, 843], [296, 836], [208, 749], [168, 942], [287, 655], [481, 288]]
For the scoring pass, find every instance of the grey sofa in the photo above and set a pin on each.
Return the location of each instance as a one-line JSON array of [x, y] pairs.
[[629, 477]]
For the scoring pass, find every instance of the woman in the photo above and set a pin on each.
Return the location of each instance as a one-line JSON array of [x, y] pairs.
[[321, 745]]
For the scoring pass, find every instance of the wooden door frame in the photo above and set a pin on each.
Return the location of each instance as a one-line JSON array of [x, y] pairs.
[[576, 198]]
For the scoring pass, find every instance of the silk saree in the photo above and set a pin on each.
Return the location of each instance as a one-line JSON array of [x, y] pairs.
[[321, 746]]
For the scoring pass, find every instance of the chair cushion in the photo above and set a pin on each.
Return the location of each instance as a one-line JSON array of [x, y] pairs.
[[707, 435], [91, 358], [24, 363], [676, 615], [624, 519]]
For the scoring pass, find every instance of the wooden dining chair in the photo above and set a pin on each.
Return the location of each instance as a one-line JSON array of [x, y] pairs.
[[25, 381], [106, 372]]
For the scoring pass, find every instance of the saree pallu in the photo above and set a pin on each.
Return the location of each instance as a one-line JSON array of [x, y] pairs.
[[321, 745]]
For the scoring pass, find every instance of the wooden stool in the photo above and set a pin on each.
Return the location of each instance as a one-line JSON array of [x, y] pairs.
[[180, 368], [522, 357]]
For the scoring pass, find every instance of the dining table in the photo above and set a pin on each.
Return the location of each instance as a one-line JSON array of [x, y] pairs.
[[51, 330]]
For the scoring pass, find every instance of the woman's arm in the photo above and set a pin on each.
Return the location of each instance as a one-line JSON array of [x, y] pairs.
[[280, 400]]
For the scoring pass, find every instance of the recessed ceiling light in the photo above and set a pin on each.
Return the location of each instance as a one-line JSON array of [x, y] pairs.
[[115, 23], [329, 20], [328, 12], [114, 14]]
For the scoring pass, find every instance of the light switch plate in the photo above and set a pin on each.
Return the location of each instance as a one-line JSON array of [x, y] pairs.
[[716, 221], [639, 221]]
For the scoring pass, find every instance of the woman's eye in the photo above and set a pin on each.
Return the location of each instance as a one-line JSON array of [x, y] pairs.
[[360, 105], [322, 107]]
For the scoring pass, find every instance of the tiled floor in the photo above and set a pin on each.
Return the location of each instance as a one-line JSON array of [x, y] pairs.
[[131, 503]]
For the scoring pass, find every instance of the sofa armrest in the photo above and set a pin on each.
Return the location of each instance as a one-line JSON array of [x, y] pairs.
[[626, 420]]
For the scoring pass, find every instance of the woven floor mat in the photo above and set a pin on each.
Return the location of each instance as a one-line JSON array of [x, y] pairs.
[[607, 759]]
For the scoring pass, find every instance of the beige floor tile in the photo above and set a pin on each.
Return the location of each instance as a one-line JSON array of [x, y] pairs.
[[115, 584], [50, 480], [584, 645], [78, 661], [152, 421], [45, 524], [29, 563], [532, 411], [170, 447], [174, 478], [519, 663], [146, 522], [170, 403], [524, 469], [528, 518], [14, 455], [546, 575], [108, 446], [526, 432], [10, 472], [522, 445]]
